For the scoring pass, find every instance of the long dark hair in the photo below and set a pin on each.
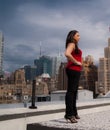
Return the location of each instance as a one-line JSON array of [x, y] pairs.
[[70, 39]]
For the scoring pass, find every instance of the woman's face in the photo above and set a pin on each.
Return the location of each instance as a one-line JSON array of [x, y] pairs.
[[77, 37]]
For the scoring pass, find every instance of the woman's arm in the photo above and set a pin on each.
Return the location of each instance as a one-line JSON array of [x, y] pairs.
[[68, 54]]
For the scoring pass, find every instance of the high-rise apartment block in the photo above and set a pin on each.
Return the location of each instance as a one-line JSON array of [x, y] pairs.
[[1, 53], [89, 59], [104, 71]]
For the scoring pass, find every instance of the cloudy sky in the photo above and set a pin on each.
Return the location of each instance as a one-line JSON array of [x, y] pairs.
[[29, 24]]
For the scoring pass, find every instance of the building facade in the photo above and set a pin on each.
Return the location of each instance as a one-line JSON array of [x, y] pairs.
[[62, 77], [1, 53], [104, 71], [56, 62], [30, 72]]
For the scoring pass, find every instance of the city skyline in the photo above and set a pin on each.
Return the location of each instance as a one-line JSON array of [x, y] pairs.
[[28, 24]]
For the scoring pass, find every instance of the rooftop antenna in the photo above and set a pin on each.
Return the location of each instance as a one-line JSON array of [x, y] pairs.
[[59, 51], [109, 29], [40, 49]]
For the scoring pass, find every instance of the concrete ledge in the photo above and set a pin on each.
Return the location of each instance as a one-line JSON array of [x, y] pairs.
[[40, 127], [97, 118], [89, 121], [37, 113]]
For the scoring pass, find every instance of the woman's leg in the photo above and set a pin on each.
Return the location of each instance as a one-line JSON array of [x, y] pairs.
[[71, 95], [75, 91], [74, 103]]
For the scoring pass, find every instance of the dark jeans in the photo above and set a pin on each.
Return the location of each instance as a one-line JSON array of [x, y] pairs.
[[71, 94]]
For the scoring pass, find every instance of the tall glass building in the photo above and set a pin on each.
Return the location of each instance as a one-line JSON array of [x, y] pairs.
[[44, 65], [30, 72], [1, 53]]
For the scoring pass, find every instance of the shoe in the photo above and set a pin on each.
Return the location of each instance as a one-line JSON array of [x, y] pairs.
[[72, 119], [77, 117]]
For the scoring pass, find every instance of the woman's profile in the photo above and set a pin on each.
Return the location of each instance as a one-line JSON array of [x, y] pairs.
[[73, 70]]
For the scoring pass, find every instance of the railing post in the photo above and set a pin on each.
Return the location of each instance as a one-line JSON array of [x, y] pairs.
[[33, 95]]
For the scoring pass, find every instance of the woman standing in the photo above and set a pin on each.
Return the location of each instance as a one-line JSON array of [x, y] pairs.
[[73, 69]]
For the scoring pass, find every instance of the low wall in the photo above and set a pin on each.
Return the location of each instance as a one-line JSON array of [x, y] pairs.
[[83, 95], [21, 123]]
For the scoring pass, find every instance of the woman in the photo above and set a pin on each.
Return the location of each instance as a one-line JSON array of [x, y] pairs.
[[73, 69]]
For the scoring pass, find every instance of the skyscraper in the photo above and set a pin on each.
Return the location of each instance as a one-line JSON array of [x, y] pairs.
[[1, 53], [104, 70], [44, 65]]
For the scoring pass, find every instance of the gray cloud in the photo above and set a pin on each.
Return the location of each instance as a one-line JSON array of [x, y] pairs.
[[28, 23]]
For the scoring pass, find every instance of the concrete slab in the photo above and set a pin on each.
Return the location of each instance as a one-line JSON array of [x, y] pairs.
[[91, 119]]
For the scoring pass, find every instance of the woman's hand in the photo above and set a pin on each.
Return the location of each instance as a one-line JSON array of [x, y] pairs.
[[79, 63]]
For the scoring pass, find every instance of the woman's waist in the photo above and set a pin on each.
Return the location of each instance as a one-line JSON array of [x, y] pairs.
[[74, 67]]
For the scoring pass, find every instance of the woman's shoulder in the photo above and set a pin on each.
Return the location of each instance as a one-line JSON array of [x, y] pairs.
[[71, 44]]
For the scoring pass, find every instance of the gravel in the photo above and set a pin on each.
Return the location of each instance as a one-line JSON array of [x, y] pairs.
[[93, 121]]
